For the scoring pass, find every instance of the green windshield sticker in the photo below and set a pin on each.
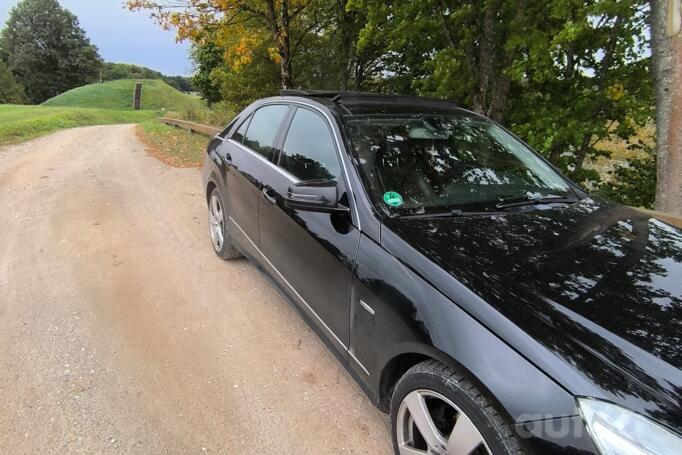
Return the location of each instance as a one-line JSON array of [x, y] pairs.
[[393, 199]]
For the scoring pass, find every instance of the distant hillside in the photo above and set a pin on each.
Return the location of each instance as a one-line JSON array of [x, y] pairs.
[[117, 71], [156, 95]]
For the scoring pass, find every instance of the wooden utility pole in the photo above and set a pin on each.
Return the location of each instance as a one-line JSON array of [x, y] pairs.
[[666, 45]]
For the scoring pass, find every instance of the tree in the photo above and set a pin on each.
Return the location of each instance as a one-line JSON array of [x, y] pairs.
[[633, 183], [241, 84], [666, 43], [565, 75], [115, 71], [182, 83], [582, 80], [208, 59], [245, 25], [329, 56], [10, 91], [457, 50], [47, 50], [311, 44]]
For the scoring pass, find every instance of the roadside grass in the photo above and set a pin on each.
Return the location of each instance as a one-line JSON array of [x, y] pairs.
[[22, 123], [172, 146], [156, 96]]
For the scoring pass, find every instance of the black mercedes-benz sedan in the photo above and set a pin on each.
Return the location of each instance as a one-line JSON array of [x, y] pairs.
[[486, 302]]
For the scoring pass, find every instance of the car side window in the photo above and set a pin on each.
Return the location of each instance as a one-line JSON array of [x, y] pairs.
[[261, 132], [241, 131], [308, 152], [227, 129]]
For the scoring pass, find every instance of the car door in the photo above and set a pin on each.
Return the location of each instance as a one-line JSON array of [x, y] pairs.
[[247, 154], [311, 253]]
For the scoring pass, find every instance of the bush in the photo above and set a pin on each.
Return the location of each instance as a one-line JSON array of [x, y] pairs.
[[219, 115]]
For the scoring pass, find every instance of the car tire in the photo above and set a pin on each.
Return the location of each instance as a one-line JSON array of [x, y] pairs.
[[433, 396], [218, 228]]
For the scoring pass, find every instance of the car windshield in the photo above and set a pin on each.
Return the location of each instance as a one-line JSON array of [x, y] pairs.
[[423, 164]]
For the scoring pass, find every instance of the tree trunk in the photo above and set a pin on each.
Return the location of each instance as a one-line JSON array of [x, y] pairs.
[[345, 24], [284, 46], [279, 27], [486, 67], [666, 43], [581, 154], [585, 147], [498, 104]]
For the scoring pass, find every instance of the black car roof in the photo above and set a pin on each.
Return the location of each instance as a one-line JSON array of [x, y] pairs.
[[357, 103]]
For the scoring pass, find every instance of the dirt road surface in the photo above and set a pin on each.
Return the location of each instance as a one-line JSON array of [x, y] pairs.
[[121, 332]]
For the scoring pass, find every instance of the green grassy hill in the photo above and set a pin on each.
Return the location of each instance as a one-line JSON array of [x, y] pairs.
[[156, 95], [21, 123]]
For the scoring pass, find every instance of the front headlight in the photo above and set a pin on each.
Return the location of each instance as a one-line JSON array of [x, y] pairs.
[[617, 431]]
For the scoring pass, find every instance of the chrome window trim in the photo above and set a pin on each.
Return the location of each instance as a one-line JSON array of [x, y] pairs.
[[284, 172]]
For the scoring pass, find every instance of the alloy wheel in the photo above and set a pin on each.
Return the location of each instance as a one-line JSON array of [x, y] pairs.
[[429, 423], [216, 222]]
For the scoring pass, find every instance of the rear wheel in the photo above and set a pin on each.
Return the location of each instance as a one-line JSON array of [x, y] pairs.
[[218, 228], [435, 411]]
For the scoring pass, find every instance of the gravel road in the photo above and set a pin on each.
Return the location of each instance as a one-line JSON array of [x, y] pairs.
[[121, 332]]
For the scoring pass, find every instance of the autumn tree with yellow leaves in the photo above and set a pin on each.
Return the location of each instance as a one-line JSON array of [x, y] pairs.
[[240, 27]]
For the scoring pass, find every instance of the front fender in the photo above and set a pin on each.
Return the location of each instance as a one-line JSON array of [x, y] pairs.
[[394, 313]]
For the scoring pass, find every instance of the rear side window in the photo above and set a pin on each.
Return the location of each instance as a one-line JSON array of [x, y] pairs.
[[239, 134], [261, 132], [308, 152]]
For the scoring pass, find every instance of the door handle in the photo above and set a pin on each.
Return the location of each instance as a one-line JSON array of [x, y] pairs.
[[268, 194], [227, 158]]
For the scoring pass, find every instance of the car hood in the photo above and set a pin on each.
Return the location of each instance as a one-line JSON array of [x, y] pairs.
[[597, 284]]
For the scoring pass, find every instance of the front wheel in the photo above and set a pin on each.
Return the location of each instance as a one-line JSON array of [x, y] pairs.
[[218, 228], [435, 411]]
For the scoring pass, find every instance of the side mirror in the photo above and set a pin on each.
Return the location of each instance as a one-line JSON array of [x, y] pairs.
[[314, 196]]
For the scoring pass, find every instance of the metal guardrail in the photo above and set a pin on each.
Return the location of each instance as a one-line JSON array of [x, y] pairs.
[[666, 217], [211, 131], [191, 126]]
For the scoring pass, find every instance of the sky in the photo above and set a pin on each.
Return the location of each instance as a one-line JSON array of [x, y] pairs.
[[123, 36]]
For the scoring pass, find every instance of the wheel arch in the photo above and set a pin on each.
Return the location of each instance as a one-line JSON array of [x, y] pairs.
[[213, 181], [412, 354], [210, 186]]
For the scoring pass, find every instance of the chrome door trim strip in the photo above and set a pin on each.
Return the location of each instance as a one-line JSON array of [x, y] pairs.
[[308, 307], [369, 309], [355, 359]]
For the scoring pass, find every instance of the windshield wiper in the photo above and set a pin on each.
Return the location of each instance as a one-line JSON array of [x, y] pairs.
[[491, 210], [536, 201], [449, 214]]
